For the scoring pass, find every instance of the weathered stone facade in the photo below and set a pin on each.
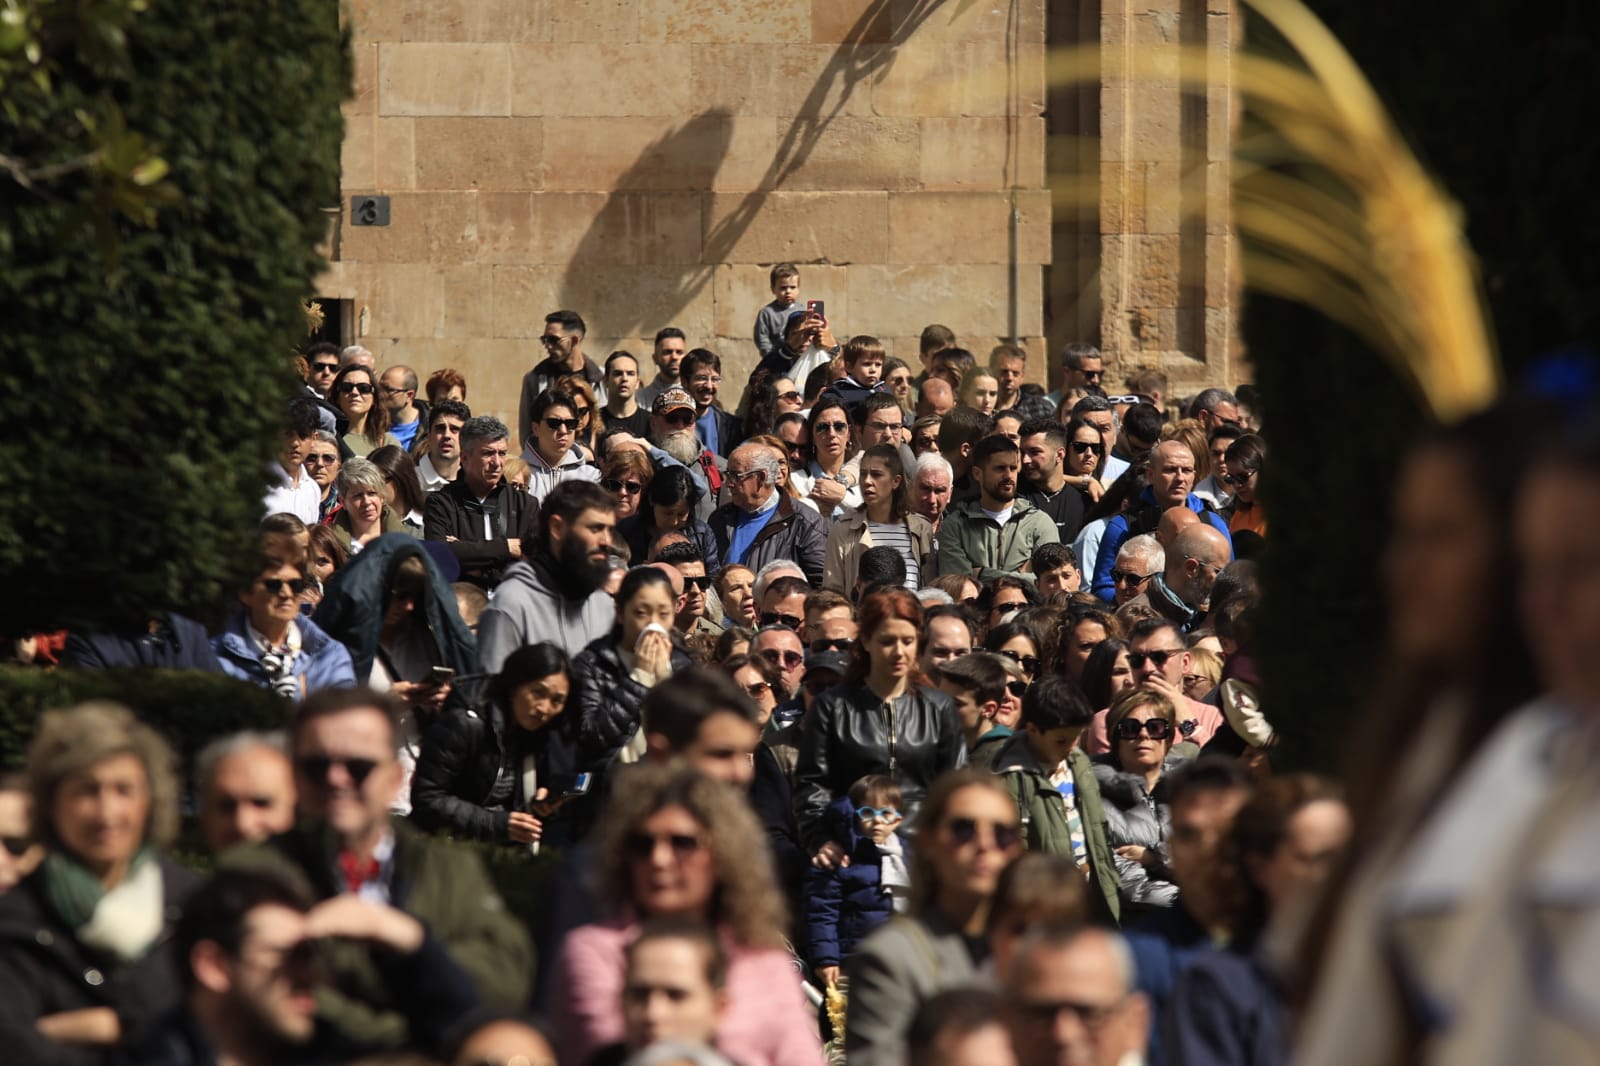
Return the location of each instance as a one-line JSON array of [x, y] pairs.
[[644, 162]]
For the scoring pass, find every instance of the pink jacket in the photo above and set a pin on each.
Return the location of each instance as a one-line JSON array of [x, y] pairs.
[[1206, 718], [768, 1021]]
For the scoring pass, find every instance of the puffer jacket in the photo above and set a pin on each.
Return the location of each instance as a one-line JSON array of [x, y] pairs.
[[846, 903], [609, 701], [1135, 815], [469, 774], [793, 533], [851, 733], [969, 540]]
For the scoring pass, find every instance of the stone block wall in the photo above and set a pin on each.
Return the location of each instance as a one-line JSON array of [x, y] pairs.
[[645, 162]]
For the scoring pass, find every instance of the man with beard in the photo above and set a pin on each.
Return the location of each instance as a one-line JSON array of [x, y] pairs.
[[247, 953], [672, 429], [555, 594], [996, 533], [1044, 453], [482, 520], [667, 352]]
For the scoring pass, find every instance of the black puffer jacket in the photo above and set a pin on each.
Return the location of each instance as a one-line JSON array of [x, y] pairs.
[[44, 969], [609, 701], [469, 775], [851, 733]]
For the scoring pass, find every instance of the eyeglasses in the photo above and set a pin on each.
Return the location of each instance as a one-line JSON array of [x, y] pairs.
[[964, 831], [1212, 567], [1197, 679], [705, 381], [1238, 481], [1234, 422], [679, 418], [1092, 1018], [1029, 663], [878, 814], [755, 688], [581, 412], [742, 474], [276, 585], [324, 368], [683, 845], [360, 388], [701, 582], [788, 621], [316, 767], [559, 424], [831, 427], [818, 647], [1128, 577], [389, 390], [1017, 688], [789, 397], [1081, 446], [1159, 658], [1154, 728], [1009, 605], [321, 460], [632, 488], [783, 659]]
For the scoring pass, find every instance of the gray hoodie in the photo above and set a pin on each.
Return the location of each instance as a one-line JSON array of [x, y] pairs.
[[527, 607]]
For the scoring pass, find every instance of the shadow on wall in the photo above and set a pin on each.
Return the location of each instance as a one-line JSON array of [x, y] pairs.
[[688, 159]]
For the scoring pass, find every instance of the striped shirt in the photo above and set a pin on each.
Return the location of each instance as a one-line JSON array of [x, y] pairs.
[[897, 535]]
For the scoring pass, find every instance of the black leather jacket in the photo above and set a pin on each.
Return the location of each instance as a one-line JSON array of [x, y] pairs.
[[850, 733]]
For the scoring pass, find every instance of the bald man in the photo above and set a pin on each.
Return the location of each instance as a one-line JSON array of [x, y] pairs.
[[936, 398], [1182, 591], [1174, 520], [1169, 474]]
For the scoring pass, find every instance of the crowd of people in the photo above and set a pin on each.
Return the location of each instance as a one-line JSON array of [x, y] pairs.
[[929, 694]]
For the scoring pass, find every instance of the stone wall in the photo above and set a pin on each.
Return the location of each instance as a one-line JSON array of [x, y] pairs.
[[645, 162]]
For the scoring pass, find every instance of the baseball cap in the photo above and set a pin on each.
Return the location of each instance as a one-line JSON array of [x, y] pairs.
[[671, 398]]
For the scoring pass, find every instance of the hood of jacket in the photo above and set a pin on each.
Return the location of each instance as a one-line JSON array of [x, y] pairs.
[[356, 598]]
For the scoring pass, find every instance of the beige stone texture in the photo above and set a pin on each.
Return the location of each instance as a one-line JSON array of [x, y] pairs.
[[859, 153], [363, 80], [582, 21], [835, 227], [444, 79], [969, 227], [394, 153], [723, 21], [479, 153], [581, 80], [477, 21], [709, 151]]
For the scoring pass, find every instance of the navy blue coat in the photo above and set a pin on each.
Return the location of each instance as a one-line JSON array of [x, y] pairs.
[[179, 644], [844, 904]]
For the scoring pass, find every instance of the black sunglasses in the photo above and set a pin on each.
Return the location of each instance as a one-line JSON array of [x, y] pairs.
[[1238, 481], [1155, 728], [1029, 663], [836, 644], [788, 621], [702, 582], [790, 659], [324, 368], [679, 418], [321, 460], [632, 488], [1081, 446], [789, 397], [316, 767], [1136, 658], [1128, 577], [274, 585], [965, 830], [1017, 688], [356, 387], [559, 424], [643, 845]]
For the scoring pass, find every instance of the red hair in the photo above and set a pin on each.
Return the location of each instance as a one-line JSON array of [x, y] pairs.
[[875, 609]]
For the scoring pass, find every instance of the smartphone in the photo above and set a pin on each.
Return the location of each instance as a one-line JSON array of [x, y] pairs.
[[817, 307], [579, 786], [443, 675]]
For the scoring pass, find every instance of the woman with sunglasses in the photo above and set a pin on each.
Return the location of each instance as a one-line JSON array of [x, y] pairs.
[[1143, 724], [1245, 457], [84, 938], [1015, 641], [667, 506], [354, 392], [1086, 461], [886, 718], [967, 833], [884, 517], [497, 771], [626, 474], [268, 642], [616, 672], [825, 481], [676, 845], [584, 410], [901, 383]]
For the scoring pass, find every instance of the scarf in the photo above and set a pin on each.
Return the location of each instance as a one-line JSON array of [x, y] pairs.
[[125, 921], [893, 875], [278, 662]]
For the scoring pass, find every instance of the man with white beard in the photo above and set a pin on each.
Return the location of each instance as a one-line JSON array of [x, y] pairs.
[[672, 430]]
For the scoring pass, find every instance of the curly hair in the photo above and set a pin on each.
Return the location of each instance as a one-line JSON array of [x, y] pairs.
[[72, 740], [746, 898]]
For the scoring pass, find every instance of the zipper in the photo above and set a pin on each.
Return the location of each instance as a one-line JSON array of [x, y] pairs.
[[893, 743]]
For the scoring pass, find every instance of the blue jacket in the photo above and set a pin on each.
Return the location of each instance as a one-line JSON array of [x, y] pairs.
[[179, 643], [1227, 1009], [1142, 518], [1163, 944], [322, 663], [844, 904]]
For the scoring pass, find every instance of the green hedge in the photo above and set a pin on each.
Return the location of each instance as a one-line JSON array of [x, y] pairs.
[[141, 400]]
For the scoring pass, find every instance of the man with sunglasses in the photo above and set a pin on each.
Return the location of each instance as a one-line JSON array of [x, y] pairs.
[[780, 646], [830, 623], [1139, 561], [347, 846], [1159, 658], [268, 642], [1070, 998], [552, 454], [1212, 488], [1216, 407], [1182, 593], [621, 410], [563, 344], [323, 462], [691, 621], [1057, 795], [1044, 476], [1081, 373], [322, 363]]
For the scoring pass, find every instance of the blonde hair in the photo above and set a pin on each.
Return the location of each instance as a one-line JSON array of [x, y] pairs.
[[513, 467], [1131, 700], [75, 739], [746, 898], [1206, 663], [1191, 435]]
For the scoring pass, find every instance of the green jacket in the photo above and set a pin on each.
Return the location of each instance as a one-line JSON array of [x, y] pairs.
[[444, 885], [970, 540], [1044, 817]]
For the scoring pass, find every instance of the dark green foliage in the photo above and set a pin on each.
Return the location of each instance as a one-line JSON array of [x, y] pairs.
[[189, 709], [1498, 101], [142, 401]]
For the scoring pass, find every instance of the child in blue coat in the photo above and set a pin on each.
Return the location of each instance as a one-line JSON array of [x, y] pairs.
[[871, 882]]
